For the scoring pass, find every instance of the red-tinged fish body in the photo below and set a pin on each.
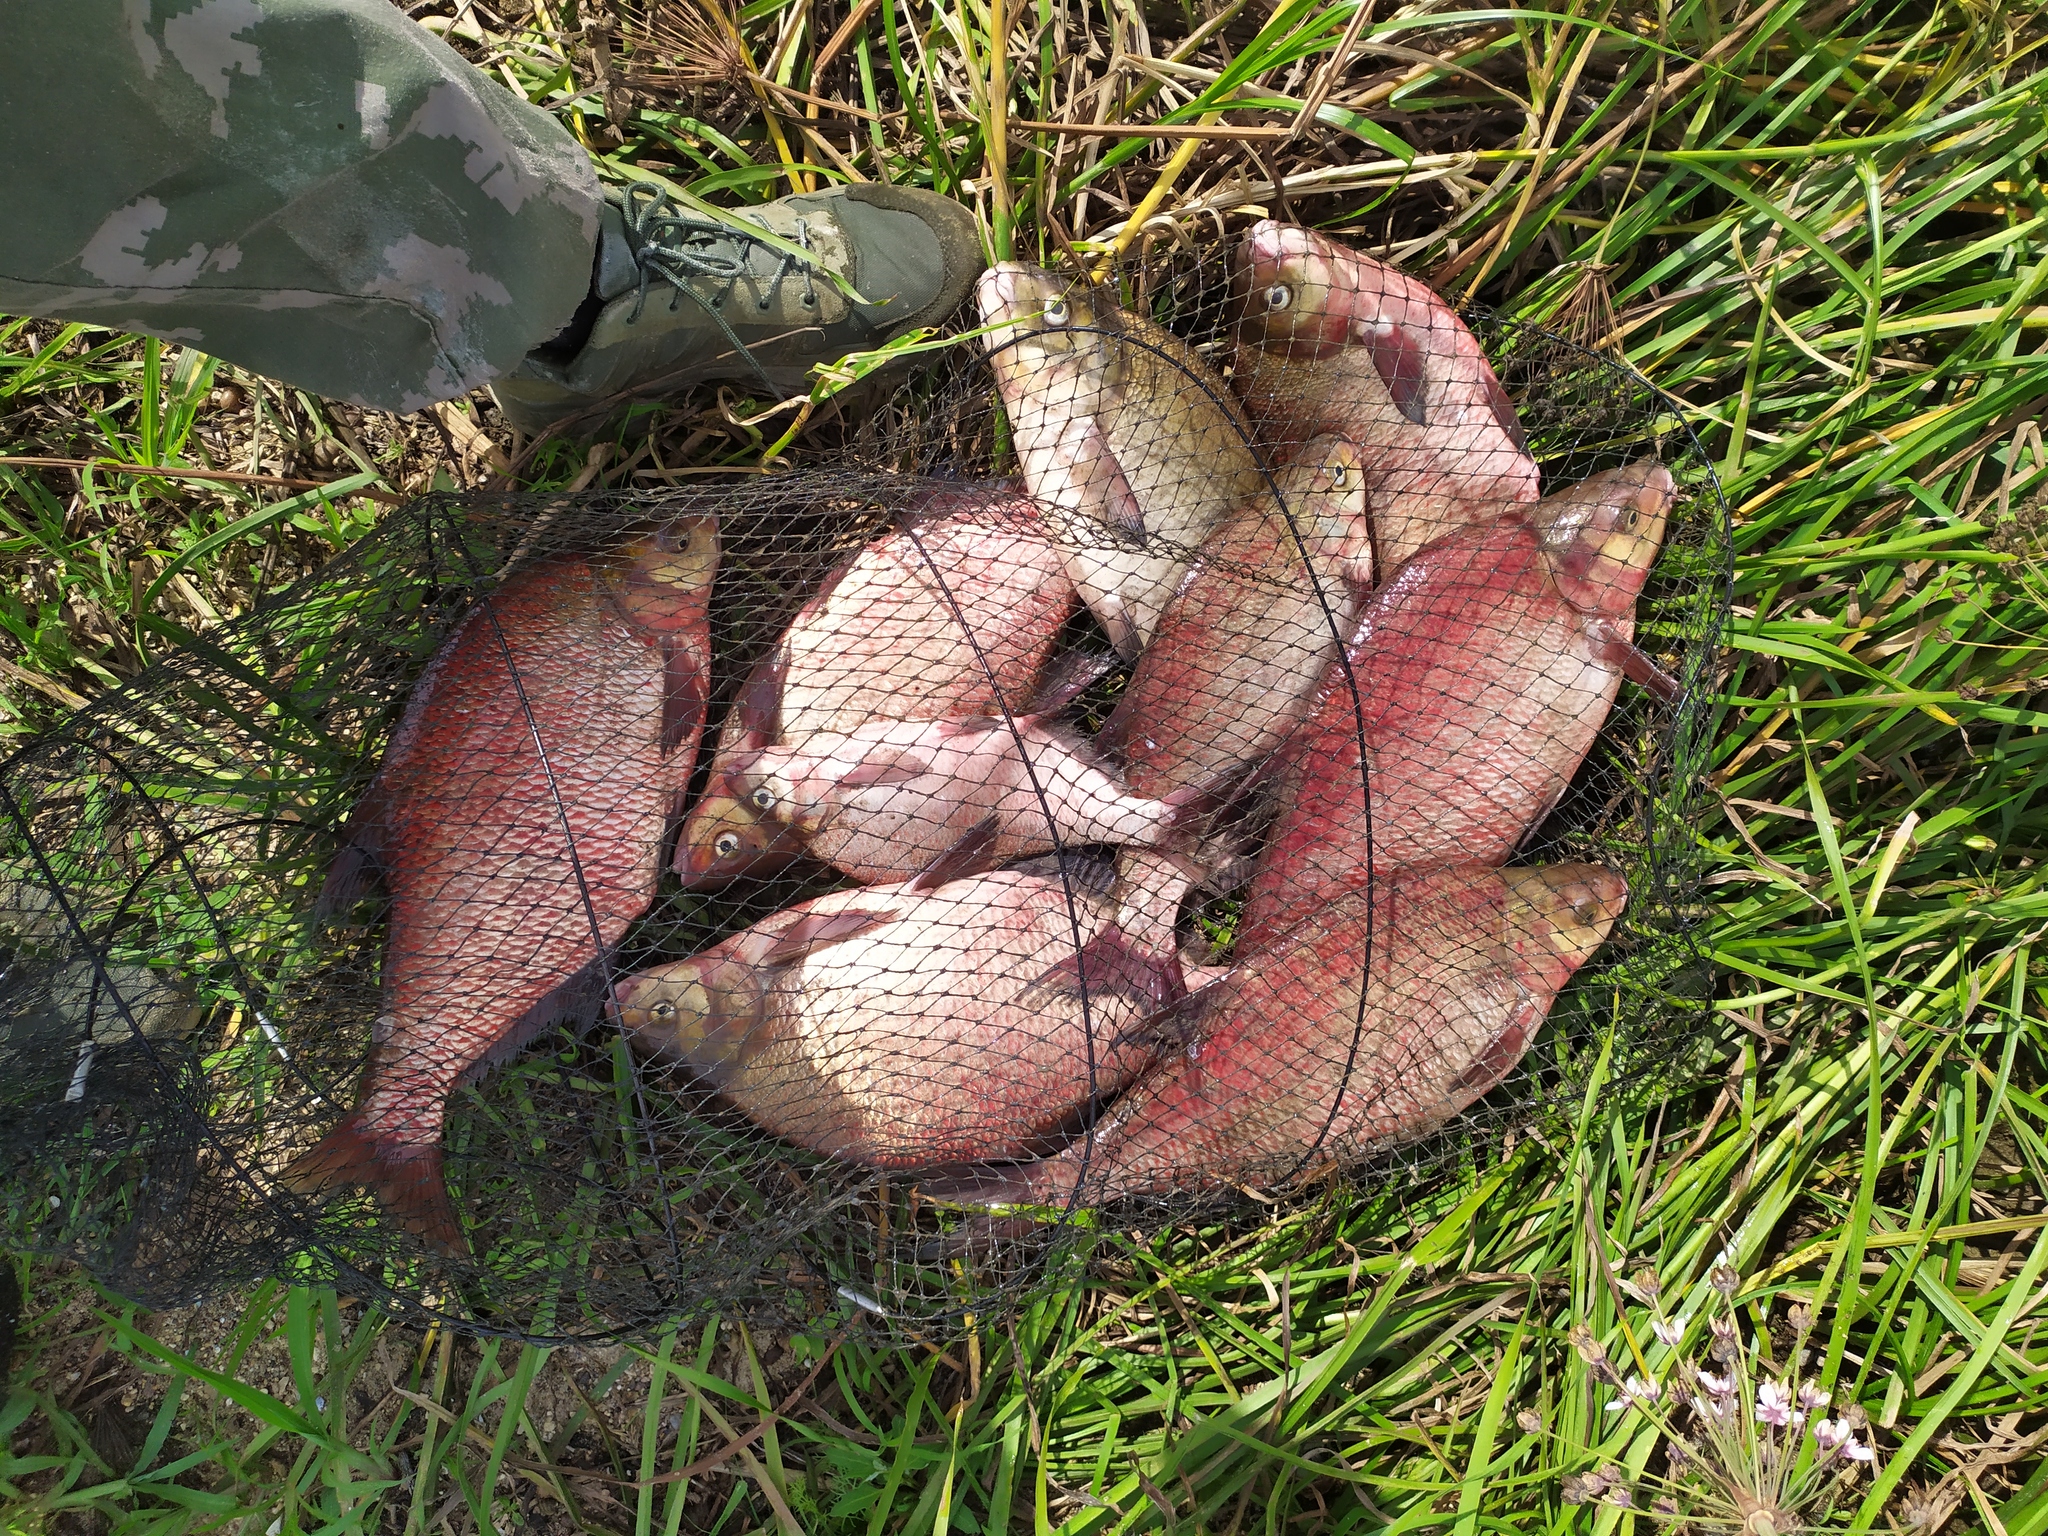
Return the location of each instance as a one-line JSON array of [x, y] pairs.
[[886, 801], [953, 614], [1240, 649], [517, 821], [1330, 340], [1477, 680], [1299, 1064], [904, 1027], [1127, 439]]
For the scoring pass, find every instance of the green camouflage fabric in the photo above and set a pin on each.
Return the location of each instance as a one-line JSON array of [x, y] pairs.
[[318, 190]]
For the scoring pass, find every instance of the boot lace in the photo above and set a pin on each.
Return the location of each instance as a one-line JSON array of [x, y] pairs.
[[686, 249]]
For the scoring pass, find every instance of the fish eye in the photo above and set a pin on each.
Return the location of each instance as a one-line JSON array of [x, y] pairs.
[[1056, 310], [726, 844], [762, 799], [1279, 296], [1340, 477], [663, 1010]]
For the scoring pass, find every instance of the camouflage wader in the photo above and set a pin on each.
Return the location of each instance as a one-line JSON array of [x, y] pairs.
[[317, 190]]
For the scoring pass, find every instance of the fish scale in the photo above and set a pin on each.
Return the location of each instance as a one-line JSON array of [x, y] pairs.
[[1475, 687], [1295, 1061], [516, 820], [1330, 340], [1127, 439], [904, 1026], [1235, 661], [884, 638]]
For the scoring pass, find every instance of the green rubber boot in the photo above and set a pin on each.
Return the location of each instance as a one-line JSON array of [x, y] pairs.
[[678, 299]]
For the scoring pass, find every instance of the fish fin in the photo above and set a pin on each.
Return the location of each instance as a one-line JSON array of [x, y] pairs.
[[759, 705], [1494, 1063], [406, 1180], [1193, 810], [359, 862], [683, 697], [1637, 667], [1108, 965], [1047, 1182], [1503, 410], [1088, 451], [973, 853], [1126, 517], [1399, 360], [814, 930], [873, 772], [1067, 679], [1114, 736], [1177, 1023], [577, 998], [355, 870]]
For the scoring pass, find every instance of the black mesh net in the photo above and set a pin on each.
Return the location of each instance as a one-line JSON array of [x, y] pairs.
[[1158, 760]]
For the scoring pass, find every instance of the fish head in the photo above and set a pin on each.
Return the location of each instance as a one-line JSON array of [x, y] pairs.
[[764, 780], [703, 1012], [1558, 915], [1047, 331], [1301, 297], [1287, 289], [662, 575], [1601, 537], [1323, 487], [728, 836]]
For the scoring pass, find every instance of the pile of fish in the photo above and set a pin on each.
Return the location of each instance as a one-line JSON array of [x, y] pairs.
[[1364, 661]]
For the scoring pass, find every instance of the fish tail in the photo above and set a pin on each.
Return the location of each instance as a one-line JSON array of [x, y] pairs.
[[405, 1178]]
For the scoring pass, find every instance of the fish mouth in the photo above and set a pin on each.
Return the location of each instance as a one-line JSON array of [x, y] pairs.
[[1032, 313], [1013, 294]]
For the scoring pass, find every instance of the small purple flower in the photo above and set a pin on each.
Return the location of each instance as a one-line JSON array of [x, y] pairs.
[[1833, 1436], [1670, 1331], [1720, 1386], [1635, 1390], [1811, 1398], [1773, 1404]]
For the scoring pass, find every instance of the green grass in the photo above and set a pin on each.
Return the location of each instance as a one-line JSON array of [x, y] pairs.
[[1829, 242]]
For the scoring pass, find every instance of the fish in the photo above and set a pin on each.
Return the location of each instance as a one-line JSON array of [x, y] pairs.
[[1237, 655], [880, 803], [954, 613], [1295, 1062], [1326, 339], [1475, 683], [512, 874], [935, 1021], [1127, 439]]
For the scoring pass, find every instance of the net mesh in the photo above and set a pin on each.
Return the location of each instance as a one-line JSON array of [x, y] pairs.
[[1221, 742]]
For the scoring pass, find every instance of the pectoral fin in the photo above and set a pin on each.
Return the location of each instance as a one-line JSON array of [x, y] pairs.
[[973, 854], [1399, 359], [875, 772], [1637, 667], [759, 705], [1504, 412], [1095, 465], [685, 693], [814, 930]]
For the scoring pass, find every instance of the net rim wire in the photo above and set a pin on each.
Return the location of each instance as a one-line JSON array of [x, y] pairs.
[[1680, 745]]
